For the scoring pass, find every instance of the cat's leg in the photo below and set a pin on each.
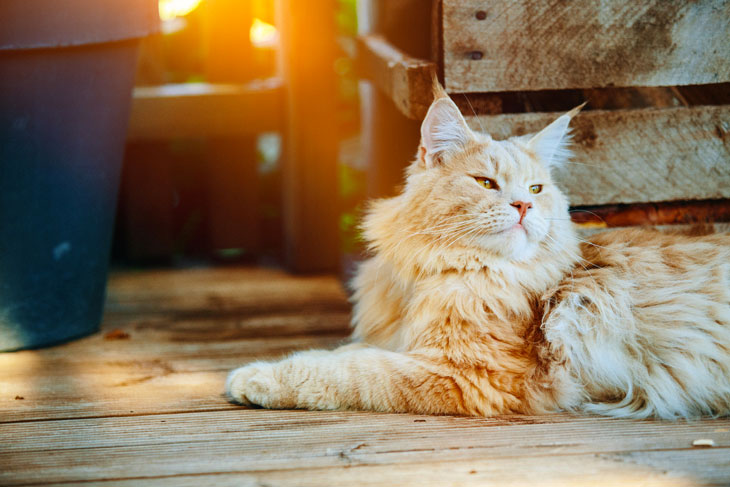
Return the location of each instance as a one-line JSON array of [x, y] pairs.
[[354, 377]]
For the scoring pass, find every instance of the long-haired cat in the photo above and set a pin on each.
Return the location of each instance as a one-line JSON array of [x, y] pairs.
[[479, 299]]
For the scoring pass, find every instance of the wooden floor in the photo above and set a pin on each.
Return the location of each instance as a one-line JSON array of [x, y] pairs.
[[141, 403]]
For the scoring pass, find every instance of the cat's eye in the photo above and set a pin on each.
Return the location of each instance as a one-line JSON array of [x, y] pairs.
[[486, 182], [535, 188]]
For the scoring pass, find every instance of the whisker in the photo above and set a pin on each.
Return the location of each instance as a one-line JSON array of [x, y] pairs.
[[592, 244], [481, 127]]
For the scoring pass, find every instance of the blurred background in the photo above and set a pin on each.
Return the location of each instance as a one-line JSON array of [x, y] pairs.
[[202, 174], [255, 139]]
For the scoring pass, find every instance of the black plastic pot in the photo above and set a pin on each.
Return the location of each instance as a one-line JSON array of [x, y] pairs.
[[66, 77]]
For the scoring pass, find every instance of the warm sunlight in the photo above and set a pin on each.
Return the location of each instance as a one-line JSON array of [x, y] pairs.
[[169, 9], [263, 34]]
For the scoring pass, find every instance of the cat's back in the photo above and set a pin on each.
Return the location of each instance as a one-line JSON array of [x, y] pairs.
[[644, 319], [657, 259]]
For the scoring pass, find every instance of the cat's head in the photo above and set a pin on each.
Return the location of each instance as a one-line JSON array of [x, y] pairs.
[[469, 190]]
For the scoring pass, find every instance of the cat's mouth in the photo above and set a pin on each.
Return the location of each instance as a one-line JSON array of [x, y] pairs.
[[511, 228]]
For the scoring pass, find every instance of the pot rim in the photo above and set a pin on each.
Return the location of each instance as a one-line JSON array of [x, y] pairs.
[[38, 24]]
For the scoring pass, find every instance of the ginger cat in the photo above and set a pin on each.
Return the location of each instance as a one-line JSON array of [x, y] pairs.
[[480, 300]]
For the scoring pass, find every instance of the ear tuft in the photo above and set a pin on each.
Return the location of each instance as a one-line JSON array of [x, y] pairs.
[[551, 143], [438, 90], [443, 130]]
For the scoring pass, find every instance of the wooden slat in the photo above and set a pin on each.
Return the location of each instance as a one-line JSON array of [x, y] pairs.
[[206, 110], [252, 441], [686, 469], [527, 45], [634, 156], [651, 469], [406, 80], [667, 213]]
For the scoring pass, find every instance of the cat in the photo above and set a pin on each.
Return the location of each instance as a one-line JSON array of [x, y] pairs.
[[480, 300]]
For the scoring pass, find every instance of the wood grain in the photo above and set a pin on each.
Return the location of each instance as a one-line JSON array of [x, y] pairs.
[[526, 45], [650, 469], [298, 440], [405, 79], [203, 110], [634, 156], [185, 330]]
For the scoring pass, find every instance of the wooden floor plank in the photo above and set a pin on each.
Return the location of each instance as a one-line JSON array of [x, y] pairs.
[[255, 440], [683, 468], [177, 334], [688, 469], [373, 433], [119, 385]]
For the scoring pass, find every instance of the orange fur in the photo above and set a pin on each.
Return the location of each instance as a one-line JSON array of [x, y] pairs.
[[463, 308]]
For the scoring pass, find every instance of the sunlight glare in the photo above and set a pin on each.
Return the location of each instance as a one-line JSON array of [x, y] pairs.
[[170, 9], [263, 34]]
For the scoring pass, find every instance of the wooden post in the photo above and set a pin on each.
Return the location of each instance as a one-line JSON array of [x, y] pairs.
[[232, 165], [310, 185], [394, 138]]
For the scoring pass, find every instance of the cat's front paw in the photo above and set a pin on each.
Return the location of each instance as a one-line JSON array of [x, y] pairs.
[[255, 384]]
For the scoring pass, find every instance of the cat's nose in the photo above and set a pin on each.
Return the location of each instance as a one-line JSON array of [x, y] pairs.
[[522, 207]]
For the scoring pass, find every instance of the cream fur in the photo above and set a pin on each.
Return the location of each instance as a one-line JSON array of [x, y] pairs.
[[462, 310]]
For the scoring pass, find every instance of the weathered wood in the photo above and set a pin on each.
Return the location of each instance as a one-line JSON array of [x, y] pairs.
[[685, 469], [527, 45], [210, 292], [184, 331], [406, 80], [667, 213], [254, 441], [651, 469], [205, 110], [309, 162], [128, 377], [633, 156], [498, 437]]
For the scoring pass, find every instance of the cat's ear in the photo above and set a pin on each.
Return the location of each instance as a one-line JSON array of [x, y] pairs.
[[442, 131], [551, 143]]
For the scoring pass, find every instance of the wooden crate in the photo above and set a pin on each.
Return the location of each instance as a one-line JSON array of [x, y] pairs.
[[664, 144], [537, 45]]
